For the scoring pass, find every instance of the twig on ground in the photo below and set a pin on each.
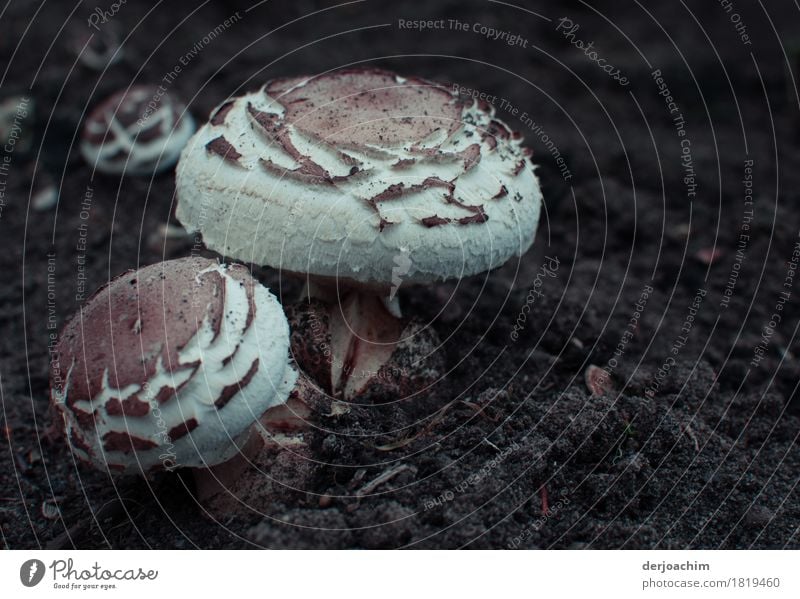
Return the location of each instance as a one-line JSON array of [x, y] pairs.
[[403, 442], [545, 501], [492, 445], [70, 537], [693, 437], [384, 477]]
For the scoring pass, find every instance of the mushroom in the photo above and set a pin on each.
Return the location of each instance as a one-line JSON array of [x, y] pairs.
[[139, 131], [183, 363], [361, 181], [96, 47], [17, 115]]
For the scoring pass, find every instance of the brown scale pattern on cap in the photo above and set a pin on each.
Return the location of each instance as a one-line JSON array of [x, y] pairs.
[[501, 194], [306, 173], [434, 221], [267, 124], [132, 406], [437, 182], [469, 157], [218, 117], [404, 163], [127, 107], [499, 129], [384, 222], [397, 190], [475, 209], [135, 320], [393, 191], [183, 429], [84, 419], [272, 128], [375, 113], [78, 442], [228, 392], [366, 106], [438, 221], [168, 392], [491, 140], [126, 443], [222, 147], [480, 217]]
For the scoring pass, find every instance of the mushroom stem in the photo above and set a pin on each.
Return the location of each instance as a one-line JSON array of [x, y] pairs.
[[332, 294], [273, 459], [365, 328], [364, 334]]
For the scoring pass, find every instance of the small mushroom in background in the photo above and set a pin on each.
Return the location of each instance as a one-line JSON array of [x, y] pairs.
[[96, 47], [44, 196], [361, 181], [709, 255], [185, 363], [598, 381], [138, 131], [17, 115]]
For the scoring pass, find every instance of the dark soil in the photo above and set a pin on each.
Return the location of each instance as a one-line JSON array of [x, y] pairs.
[[510, 449]]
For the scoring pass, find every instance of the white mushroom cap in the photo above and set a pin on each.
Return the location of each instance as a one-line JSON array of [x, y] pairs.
[[170, 365], [137, 132], [356, 173]]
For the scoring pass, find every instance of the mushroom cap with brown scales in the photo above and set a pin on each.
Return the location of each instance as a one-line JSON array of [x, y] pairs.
[[169, 366], [137, 131], [345, 175]]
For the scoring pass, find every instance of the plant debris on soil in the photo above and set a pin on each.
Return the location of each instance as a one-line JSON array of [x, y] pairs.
[[625, 384]]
